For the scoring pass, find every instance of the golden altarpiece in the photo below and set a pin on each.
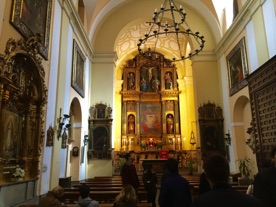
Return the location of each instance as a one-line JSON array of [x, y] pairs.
[[150, 110], [150, 105], [23, 96]]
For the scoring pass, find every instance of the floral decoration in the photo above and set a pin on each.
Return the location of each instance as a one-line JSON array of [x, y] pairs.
[[18, 172]]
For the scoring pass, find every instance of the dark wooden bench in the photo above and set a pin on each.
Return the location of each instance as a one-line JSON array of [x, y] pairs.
[[101, 196]]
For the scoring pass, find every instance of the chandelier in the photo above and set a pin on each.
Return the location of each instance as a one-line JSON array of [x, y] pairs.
[[169, 23]]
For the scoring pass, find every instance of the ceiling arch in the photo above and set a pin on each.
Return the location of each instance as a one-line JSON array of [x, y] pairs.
[[117, 17]]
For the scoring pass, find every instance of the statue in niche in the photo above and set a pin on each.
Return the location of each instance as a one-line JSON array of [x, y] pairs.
[[143, 85], [131, 124], [92, 112], [168, 80], [131, 81], [170, 128], [155, 84]]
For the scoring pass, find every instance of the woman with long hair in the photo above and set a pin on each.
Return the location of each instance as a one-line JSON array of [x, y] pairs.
[[126, 198]]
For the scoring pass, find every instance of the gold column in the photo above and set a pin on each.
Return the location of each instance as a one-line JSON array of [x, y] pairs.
[[176, 117]]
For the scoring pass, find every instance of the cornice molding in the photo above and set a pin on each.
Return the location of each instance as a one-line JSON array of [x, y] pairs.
[[104, 58], [75, 21], [242, 19]]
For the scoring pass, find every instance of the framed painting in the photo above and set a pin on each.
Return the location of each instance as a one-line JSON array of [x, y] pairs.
[[33, 18], [150, 118], [78, 82], [237, 67]]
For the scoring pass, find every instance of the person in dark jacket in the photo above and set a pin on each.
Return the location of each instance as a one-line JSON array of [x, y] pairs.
[[175, 190], [204, 185], [150, 182], [265, 183], [52, 198], [217, 172], [84, 199], [129, 174]]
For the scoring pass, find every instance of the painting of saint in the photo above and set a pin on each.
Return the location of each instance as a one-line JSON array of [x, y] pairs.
[[34, 13]]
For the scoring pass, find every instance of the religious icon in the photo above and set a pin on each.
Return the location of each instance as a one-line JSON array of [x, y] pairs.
[[131, 124], [131, 81], [150, 118], [75, 152], [168, 80], [170, 128]]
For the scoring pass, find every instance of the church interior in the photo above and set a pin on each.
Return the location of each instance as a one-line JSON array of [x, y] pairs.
[[83, 82]]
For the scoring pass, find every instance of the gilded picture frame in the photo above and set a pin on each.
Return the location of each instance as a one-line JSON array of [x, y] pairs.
[[78, 72], [150, 118], [237, 67], [33, 18]]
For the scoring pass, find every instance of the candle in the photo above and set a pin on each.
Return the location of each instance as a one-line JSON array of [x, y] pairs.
[[173, 143], [179, 143]]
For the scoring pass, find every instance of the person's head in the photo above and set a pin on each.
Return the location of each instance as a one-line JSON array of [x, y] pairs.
[[172, 165], [58, 191], [216, 168], [130, 156], [84, 191], [127, 194], [127, 156]]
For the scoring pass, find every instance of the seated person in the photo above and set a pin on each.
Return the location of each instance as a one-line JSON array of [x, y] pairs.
[[221, 194], [52, 198], [126, 198], [84, 199]]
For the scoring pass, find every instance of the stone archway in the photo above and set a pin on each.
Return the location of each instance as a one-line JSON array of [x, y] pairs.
[[242, 119], [75, 136]]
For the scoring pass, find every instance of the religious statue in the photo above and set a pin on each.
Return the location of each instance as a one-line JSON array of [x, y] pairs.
[[131, 81], [143, 85], [170, 128], [131, 124], [50, 136], [168, 80], [155, 84]]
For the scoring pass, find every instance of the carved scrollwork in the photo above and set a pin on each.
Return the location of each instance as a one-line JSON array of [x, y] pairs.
[[23, 96]]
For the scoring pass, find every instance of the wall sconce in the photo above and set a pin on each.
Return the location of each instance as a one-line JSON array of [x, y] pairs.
[[63, 124], [85, 140], [228, 138]]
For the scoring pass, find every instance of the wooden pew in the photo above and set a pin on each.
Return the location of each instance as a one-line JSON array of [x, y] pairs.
[[101, 205], [111, 205], [101, 196]]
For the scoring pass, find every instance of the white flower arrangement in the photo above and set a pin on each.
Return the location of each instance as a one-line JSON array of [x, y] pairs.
[[18, 172]]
